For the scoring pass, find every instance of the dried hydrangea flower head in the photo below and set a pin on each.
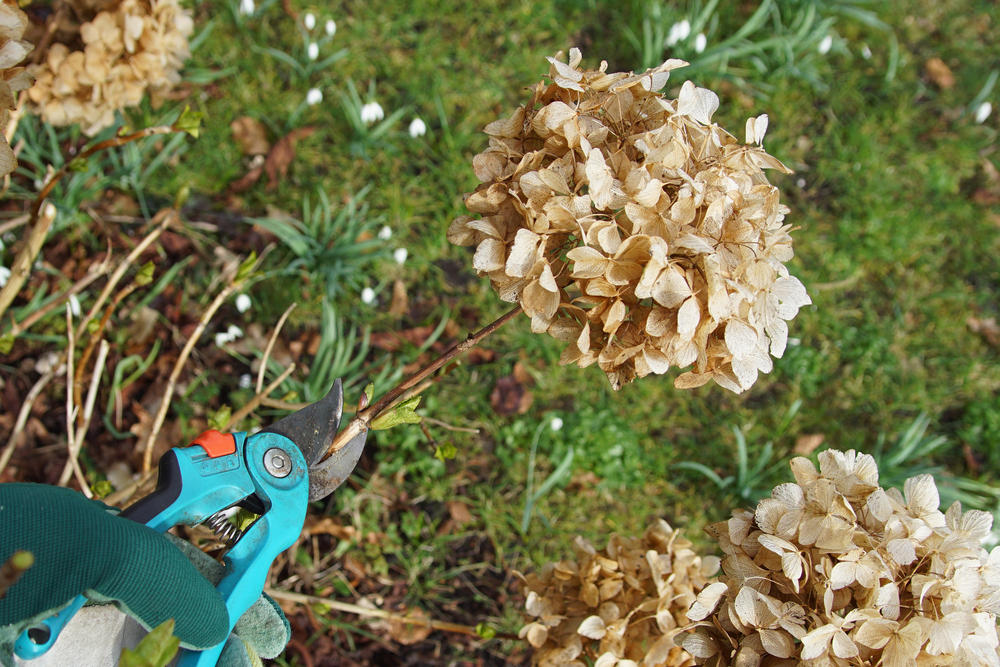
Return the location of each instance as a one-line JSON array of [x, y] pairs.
[[634, 229], [128, 48], [834, 570], [624, 603], [13, 79]]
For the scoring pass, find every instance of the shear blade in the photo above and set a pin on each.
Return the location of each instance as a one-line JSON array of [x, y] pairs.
[[314, 427], [327, 476]]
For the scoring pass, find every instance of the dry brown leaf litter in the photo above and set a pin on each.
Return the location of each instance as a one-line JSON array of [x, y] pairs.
[[621, 605], [13, 79], [126, 49], [635, 229], [834, 570]]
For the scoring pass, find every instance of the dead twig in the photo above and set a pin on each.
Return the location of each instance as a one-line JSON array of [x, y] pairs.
[[365, 416], [254, 402], [95, 272], [71, 410], [270, 346], [13, 223], [380, 613], [12, 570], [88, 412], [449, 427], [22, 416]]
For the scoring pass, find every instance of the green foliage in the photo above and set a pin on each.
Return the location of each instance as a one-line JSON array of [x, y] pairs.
[[366, 137], [980, 429], [218, 419], [334, 251], [155, 650], [402, 413], [446, 450], [189, 122]]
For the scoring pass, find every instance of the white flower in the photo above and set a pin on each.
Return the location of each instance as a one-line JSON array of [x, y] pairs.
[[385, 233], [371, 113], [309, 21], [678, 32], [983, 112], [417, 128], [556, 423], [74, 305], [313, 51], [4, 275], [243, 303], [234, 332], [368, 296], [245, 379], [824, 46], [399, 254], [331, 27], [700, 42], [866, 53], [247, 7], [314, 96], [221, 338], [46, 362]]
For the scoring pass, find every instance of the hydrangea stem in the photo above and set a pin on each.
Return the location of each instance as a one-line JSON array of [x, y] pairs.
[[365, 416]]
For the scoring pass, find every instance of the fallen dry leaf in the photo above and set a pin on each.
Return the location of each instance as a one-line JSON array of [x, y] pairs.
[[410, 633], [327, 526], [939, 73], [282, 154], [459, 512], [987, 328], [251, 135], [808, 443], [510, 397], [390, 341], [248, 180], [478, 355]]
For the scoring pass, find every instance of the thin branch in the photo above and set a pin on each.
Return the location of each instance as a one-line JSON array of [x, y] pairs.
[[364, 417], [22, 416], [252, 404], [161, 414], [380, 613], [88, 412], [71, 410], [95, 272], [449, 427], [270, 346], [14, 223]]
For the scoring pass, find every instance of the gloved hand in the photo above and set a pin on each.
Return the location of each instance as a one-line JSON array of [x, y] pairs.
[[80, 546]]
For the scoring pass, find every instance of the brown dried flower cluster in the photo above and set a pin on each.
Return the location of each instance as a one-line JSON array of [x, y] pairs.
[[834, 570], [13, 79], [619, 606], [129, 47], [635, 229]]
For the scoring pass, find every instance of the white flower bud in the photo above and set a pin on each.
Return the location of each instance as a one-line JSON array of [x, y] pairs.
[[247, 7], [314, 96], [556, 424], [700, 42], [824, 46], [4, 275], [74, 305], [385, 233], [368, 296], [234, 332], [399, 254], [246, 381], [983, 112], [331, 27], [221, 338], [417, 128], [313, 51], [309, 21], [372, 112], [243, 303]]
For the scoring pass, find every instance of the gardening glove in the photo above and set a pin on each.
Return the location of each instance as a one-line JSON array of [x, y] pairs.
[[80, 546]]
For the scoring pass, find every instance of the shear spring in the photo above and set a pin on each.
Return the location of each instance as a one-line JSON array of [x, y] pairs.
[[227, 531]]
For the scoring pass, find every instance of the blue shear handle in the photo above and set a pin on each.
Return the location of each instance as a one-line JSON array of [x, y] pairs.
[[46, 632]]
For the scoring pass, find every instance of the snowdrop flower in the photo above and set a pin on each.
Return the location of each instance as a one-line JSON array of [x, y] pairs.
[[313, 51], [399, 254], [4, 275], [417, 128], [368, 296], [983, 112], [314, 96], [74, 305], [385, 233], [556, 424], [700, 42], [866, 53], [234, 332], [309, 21], [243, 303], [46, 363], [678, 32], [247, 7], [824, 46], [371, 113], [331, 27], [245, 381], [221, 338]]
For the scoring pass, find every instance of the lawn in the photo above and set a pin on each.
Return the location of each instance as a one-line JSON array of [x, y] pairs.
[[895, 199]]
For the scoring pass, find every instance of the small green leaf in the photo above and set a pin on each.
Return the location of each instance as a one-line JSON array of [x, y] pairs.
[[79, 164], [221, 417], [401, 414], [246, 268], [369, 392], [93, 326], [155, 650], [485, 631], [182, 196], [6, 343], [321, 609], [103, 489], [145, 275], [244, 518], [444, 451], [124, 130], [341, 587], [190, 122]]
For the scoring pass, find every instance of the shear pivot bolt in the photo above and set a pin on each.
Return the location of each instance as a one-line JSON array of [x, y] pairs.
[[277, 462]]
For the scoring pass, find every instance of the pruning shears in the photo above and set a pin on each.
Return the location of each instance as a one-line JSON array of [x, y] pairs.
[[274, 473]]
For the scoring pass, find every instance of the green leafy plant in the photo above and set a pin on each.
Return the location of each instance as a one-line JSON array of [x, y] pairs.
[[366, 136], [532, 495], [754, 472], [155, 650], [335, 251]]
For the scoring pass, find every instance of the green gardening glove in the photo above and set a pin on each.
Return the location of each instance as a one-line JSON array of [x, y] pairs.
[[81, 547]]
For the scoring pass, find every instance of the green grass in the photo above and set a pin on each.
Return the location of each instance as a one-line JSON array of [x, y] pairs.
[[895, 252]]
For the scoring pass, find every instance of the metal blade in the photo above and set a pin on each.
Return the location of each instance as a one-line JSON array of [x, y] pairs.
[[314, 427], [328, 475]]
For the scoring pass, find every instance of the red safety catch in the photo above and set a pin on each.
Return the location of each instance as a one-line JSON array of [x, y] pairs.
[[216, 444]]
